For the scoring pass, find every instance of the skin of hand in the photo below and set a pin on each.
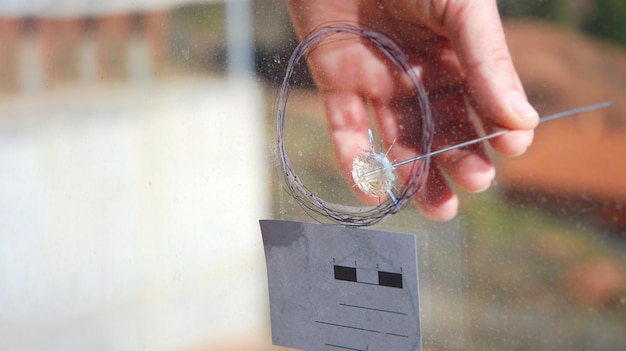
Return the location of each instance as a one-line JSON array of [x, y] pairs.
[[459, 50]]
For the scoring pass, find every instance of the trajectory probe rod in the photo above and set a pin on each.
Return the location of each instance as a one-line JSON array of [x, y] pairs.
[[502, 132]]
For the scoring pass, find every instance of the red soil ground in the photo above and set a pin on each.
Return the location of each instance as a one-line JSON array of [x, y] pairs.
[[581, 158]]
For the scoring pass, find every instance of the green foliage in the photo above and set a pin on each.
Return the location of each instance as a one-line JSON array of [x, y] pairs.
[[546, 10], [605, 19], [206, 18], [608, 20]]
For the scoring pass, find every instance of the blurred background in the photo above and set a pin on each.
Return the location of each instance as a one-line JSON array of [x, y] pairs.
[[136, 157]]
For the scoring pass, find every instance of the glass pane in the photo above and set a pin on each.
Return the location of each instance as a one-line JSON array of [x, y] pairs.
[[138, 152]]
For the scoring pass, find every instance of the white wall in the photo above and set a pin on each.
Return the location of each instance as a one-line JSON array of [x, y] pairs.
[[128, 215]]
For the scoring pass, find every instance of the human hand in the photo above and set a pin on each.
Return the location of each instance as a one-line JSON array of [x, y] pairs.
[[460, 51]]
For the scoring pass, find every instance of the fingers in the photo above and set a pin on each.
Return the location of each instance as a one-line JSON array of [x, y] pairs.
[[348, 125], [476, 33], [347, 120], [437, 200], [477, 59], [468, 167], [513, 143]]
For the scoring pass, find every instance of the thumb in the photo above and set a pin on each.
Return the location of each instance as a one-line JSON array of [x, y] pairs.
[[476, 33]]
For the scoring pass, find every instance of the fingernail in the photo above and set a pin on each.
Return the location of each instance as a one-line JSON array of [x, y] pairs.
[[521, 107]]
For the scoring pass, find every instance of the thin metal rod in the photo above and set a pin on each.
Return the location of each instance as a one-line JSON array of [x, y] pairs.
[[499, 133]]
